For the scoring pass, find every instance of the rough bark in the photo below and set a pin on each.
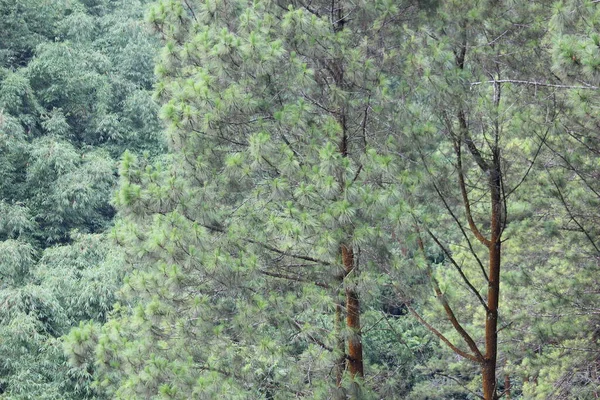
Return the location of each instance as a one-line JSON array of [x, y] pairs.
[[355, 354]]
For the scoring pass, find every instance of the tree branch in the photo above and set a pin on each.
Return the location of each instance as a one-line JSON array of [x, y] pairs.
[[265, 246], [454, 217], [464, 233], [311, 337], [535, 83], [459, 269], [449, 312], [564, 202], [443, 338], [294, 278], [572, 168], [460, 383], [537, 152], [465, 197], [464, 130]]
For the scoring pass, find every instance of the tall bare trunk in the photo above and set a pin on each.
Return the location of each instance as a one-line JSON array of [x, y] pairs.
[[491, 322]]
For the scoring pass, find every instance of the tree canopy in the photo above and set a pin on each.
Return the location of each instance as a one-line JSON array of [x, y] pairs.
[[284, 199], [75, 92]]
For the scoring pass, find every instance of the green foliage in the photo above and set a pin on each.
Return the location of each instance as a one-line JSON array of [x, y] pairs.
[[82, 89], [75, 80], [236, 238], [300, 136], [41, 302], [293, 136], [25, 24]]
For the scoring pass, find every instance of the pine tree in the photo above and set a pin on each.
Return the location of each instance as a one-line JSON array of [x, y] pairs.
[[561, 358], [330, 158], [472, 93], [264, 224]]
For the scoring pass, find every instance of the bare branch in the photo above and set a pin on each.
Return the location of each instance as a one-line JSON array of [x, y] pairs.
[[464, 233], [465, 196], [443, 338], [461, 384], [294, 278], [572, 216], [360, 167], [572, 168], [459, 269], [537, 152], [311, 337], [535, 83], [464, 128], [444, 302], [266, 246]]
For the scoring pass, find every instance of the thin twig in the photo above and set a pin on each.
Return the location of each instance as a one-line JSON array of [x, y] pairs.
[[535, 83]]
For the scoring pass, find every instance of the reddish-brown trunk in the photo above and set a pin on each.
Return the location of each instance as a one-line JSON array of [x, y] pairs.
[[507, 387], [491, 322], [355, 354], [488, 373]]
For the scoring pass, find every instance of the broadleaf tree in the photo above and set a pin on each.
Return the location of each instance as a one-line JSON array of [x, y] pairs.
[[66, 68]]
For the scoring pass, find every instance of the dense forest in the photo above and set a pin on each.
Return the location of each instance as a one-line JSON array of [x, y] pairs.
[[280, 199]]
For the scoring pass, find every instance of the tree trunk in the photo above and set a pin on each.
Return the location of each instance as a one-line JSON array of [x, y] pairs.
[[355, 354], [488, 373], [507, 387], [491, 322]]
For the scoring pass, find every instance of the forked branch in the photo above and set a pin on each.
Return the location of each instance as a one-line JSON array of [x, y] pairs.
[[443, 338], [448, 309], [465, 196]]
